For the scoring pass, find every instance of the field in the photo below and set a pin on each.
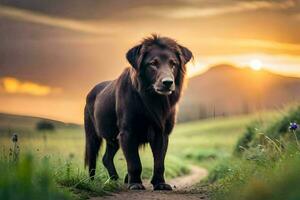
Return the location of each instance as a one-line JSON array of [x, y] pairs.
[[203, 143]]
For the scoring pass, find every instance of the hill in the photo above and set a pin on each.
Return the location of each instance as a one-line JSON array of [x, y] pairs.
[[11, 122], [227, 90]]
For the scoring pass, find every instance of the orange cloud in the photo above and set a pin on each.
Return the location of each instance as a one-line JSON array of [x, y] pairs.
[[15, 86], [267, 44]]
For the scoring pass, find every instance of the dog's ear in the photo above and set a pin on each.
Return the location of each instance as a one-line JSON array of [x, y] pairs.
[[186, 53], [133, 56]]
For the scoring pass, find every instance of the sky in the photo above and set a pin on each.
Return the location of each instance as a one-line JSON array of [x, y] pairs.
[[53, 52]]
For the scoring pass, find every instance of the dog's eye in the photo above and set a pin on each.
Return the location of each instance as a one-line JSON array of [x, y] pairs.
[[153, 63], [173, 67], [173, 64]]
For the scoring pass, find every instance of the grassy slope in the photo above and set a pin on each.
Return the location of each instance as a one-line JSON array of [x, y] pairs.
[[267, 168], [10, 123]]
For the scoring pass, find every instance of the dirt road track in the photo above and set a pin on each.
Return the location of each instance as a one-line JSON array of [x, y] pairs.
[[181, 189]]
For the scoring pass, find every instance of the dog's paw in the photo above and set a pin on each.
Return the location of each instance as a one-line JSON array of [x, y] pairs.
[[136, 186], [162, 186]]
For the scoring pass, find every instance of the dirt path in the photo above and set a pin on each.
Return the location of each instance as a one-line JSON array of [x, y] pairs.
[[180, 191]]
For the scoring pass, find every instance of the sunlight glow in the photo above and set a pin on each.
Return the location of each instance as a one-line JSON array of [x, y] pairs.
[[15, 86], [195, 68], [256, 64]]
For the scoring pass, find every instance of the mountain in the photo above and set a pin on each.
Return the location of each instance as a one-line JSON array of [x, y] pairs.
[[228, 90]]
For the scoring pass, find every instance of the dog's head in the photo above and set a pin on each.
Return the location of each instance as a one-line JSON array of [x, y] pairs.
[[159, 63]]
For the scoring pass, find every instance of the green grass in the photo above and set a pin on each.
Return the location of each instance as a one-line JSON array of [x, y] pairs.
[[204, 143], [28, 179], [264, 165]]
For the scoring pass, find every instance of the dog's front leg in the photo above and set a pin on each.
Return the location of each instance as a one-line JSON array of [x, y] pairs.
[[129, 146], [159, 146]]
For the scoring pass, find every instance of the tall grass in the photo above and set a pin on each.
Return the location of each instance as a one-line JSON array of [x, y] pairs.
[[27, 179], [264, 165], [31, 177]]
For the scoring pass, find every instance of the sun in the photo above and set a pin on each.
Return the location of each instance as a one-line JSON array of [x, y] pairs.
[[256, 64]]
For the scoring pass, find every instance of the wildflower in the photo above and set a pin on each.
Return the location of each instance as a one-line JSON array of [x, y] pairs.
[[14, 137], [293, 126], [14, 152]]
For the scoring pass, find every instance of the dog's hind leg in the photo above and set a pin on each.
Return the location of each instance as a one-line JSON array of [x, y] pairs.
[[92, 144], [108, 159]]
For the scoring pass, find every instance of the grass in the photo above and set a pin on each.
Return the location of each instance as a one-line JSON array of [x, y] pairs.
[[264, 164], [28, 179], [204, 143]]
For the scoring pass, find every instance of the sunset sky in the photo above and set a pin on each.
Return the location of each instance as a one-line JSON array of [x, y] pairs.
[[53, 52]]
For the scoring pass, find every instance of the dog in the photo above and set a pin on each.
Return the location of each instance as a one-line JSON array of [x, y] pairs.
[[138, 107]]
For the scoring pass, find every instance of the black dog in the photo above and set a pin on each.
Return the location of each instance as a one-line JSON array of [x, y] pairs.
[[136, 108]]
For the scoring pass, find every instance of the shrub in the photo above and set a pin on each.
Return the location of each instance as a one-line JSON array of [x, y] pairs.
[[44, 125]]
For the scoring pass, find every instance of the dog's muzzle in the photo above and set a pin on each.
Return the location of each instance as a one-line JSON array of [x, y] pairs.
[[165, 87]]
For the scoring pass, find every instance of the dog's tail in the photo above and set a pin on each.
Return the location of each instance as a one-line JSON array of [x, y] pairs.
[[92, 143]]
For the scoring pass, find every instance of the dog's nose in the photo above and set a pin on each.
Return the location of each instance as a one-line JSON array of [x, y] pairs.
[[168, 82]]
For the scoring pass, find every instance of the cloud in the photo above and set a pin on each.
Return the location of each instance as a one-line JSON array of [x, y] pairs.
[[35, 17], [263, 44], [194, 11], [14, 86]]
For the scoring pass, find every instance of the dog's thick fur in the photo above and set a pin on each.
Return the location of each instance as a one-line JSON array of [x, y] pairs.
[[127, 112]]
